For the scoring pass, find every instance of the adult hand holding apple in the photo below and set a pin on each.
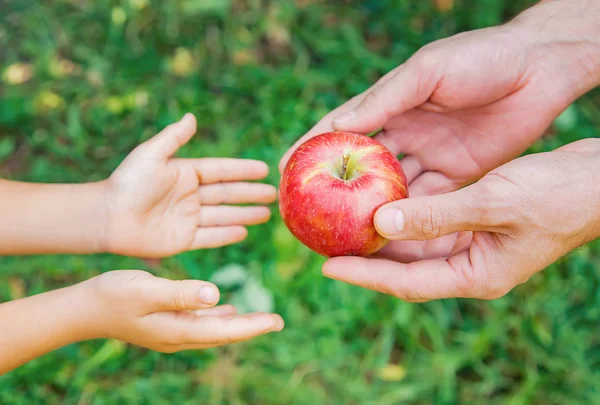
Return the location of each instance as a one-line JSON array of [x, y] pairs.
[[524, 216], [464, 105]]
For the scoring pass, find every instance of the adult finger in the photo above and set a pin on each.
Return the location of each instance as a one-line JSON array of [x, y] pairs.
[[410, 86], [225, 215], [429, 217], [215, 170], [164, 144], [237, 193], [455, 277], [407, 251], [412, 168], [432, 183], [324, 125], [213, 237]]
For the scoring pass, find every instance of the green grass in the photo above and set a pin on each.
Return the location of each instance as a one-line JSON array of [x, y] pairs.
[[258, 74]]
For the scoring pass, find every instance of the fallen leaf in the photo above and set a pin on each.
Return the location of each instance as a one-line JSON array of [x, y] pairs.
[[391, 373], [17, 73]]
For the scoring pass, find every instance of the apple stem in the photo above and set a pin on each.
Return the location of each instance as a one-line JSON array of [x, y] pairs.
[[345, 166]]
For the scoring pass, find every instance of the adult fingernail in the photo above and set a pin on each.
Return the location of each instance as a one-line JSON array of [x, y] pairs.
[[345, 117], [208, 294], [389, 222]]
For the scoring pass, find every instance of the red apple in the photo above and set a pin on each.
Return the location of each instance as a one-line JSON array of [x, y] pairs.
[[331, 188]]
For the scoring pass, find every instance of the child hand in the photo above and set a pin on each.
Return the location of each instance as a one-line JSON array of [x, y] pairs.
[[167, 316], [159, 205]]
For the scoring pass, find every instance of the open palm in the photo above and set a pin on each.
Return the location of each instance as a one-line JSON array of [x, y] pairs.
[[160, 205]]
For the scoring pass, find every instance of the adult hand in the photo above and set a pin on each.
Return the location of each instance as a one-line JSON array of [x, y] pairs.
[[159, 205], [524, 216], [464, 105]]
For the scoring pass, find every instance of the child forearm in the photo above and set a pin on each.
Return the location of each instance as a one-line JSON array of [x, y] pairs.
[[33, 326], [129, 305], [52, 218], [153, 205]]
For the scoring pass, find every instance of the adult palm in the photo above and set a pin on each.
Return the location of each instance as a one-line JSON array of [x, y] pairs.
[[463, 106]]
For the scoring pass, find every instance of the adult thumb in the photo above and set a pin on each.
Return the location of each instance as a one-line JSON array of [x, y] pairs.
[[430, 217]]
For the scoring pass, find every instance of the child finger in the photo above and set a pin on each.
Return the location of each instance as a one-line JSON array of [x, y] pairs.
[[226, 330], [196, 346], [215, 170], [221, 310], [224, 215], [237, 193], [179, 295], [213, 237], [171, 138]]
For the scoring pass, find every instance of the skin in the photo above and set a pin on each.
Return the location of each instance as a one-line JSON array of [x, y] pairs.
[[130, 305], [512, 212], [464, 105], [154, 204]]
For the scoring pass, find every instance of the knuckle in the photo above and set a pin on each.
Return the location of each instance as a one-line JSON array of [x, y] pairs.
[[137, 282], [370, 100], [426, 58], [469, 283], [228, 332], [354, 99], [225, 194], [428, 222], [179, 296]]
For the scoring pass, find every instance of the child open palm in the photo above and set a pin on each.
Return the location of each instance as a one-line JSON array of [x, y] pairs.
[[159, 205]]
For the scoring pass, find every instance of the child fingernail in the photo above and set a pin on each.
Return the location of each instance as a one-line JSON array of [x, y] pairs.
[[278, 325], [209, 294]]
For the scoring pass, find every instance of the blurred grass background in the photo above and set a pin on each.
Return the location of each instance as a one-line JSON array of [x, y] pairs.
[[83, 82]]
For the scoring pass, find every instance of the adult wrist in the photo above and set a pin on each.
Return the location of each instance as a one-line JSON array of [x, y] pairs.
[[569, 31], [586, 158], [564, 19]]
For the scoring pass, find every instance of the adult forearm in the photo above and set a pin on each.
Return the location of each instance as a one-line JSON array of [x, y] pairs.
[[570, 29], [33, 326], [52, 218]]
